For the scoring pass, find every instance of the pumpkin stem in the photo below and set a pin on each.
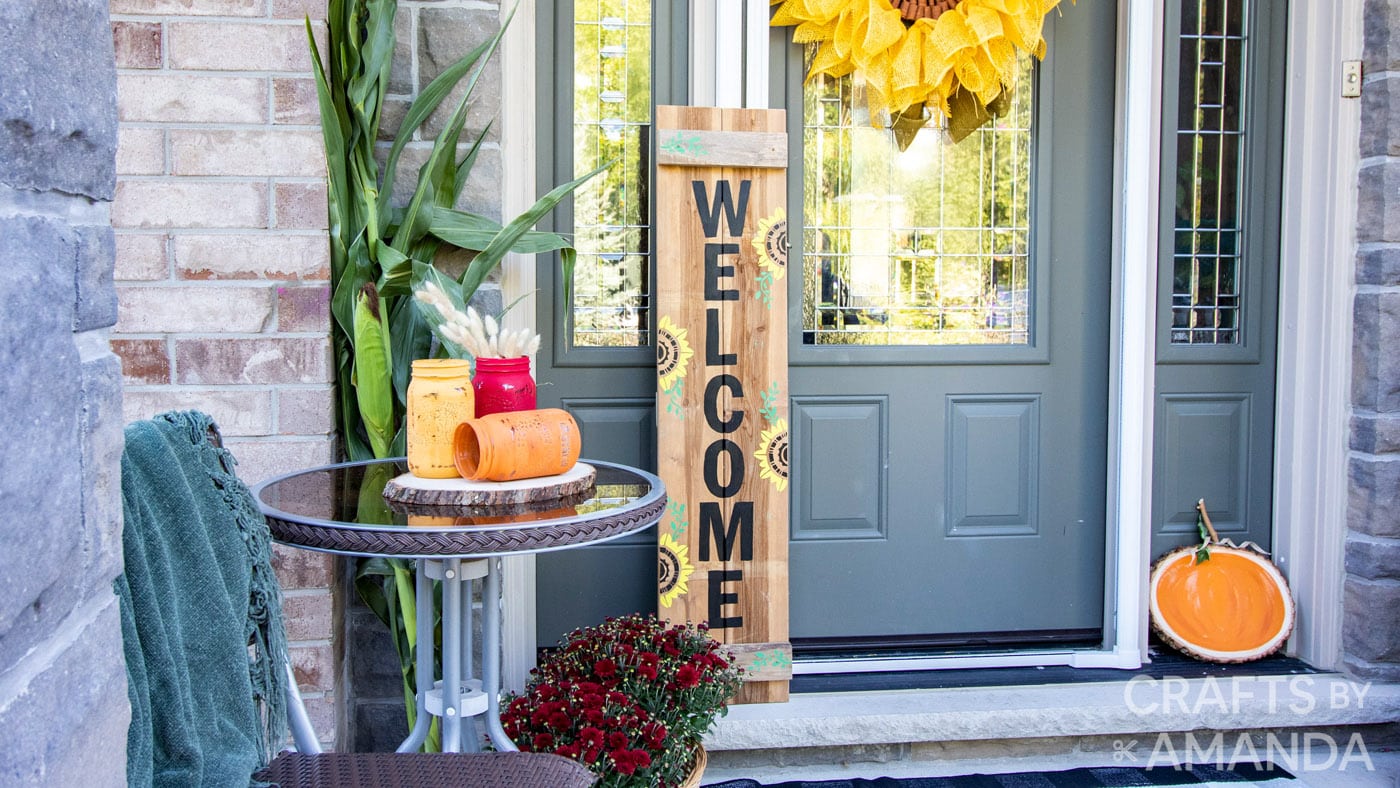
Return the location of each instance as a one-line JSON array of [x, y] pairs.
[[1204, 515], [1206, 530]]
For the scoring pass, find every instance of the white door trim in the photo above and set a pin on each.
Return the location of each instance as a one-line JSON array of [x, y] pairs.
[[1317, 250], [518, 277], [1132, 345]]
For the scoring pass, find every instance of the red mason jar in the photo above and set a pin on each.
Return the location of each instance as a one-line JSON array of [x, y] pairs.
[[503, 385]]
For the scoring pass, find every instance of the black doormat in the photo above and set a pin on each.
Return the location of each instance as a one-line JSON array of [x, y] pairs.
[[1073, 778]]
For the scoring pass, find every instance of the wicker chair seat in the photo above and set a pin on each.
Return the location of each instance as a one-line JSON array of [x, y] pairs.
[[388, 770]]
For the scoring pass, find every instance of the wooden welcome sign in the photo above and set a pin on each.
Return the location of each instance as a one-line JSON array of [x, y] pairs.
[[721, 402]]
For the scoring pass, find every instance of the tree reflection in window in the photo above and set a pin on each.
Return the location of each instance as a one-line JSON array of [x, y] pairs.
[[612, 121], [1206, 286]]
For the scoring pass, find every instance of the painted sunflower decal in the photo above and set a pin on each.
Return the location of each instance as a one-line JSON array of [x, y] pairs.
[[772, 454], [673, 570], [771, 242], [672, 353]]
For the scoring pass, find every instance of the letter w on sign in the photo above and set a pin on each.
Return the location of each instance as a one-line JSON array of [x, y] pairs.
[[721, 401]]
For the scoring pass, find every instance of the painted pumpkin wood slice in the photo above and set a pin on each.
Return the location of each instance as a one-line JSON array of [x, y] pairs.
[[1232, 606]]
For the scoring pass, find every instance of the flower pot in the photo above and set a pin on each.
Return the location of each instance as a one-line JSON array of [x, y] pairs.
[[503, 385], [526, 444], [697, 769]]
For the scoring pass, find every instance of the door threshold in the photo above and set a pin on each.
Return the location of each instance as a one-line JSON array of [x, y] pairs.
[[950, 673]]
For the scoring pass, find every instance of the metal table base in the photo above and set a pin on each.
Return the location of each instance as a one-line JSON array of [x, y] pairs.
[[474, 697]]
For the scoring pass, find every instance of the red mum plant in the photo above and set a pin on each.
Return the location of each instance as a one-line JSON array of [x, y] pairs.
[[630, 699]]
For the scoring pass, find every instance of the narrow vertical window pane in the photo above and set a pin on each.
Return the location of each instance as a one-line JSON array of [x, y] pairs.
[[928, 246], [1206, 291], [612, 121]]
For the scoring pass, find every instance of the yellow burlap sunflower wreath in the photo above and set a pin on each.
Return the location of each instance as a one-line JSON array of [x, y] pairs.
[[956, 56]]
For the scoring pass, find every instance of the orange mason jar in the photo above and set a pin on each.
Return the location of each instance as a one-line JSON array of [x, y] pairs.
[[522, 444], [439, 398]]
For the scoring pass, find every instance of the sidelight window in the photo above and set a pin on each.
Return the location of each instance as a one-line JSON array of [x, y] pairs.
[[1207, 281], [612, 122]]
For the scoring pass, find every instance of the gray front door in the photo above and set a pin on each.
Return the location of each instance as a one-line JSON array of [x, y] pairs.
[[949, 362]]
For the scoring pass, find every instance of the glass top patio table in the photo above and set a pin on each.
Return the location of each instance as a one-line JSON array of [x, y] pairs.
[[340, 508]]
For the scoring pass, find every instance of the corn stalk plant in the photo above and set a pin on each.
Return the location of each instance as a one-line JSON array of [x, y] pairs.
[[380, 248]]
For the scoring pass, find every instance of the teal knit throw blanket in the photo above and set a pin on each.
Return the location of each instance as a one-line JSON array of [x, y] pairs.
[[201, 612]]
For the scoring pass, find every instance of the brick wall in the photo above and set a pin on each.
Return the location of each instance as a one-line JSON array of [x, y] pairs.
[[222, 262], [222, 266], [63, 701], [1371, 627]]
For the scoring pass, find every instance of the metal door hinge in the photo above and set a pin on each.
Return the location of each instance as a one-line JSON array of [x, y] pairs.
[[1351, 79]]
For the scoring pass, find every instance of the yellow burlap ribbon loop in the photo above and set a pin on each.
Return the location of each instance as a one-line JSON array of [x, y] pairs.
[[972, 47]]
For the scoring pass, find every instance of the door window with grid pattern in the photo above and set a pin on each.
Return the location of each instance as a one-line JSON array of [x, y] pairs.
[[926, 246]]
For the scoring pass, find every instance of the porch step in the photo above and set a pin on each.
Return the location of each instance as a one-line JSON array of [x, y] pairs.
[[1052, 727]]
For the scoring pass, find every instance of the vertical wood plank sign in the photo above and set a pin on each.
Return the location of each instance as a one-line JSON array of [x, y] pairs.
[[721, 403]]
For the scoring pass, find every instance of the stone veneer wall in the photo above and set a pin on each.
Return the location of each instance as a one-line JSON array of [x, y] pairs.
[[1371, 626], [222, 267], [63, 702]]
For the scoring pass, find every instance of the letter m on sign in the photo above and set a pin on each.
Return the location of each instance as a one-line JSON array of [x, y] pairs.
[[721, 401]]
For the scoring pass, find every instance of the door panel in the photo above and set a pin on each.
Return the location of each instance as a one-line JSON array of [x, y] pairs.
[[949, 364], [620, 429], [1001, 433], [1205, 453], [841, 441]]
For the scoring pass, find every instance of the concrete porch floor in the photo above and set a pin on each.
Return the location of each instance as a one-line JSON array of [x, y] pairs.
[[1324, 729]]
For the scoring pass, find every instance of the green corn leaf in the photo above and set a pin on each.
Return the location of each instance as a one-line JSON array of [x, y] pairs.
[[396, 272], [349, 49], [358, 270], [399, 447], [487, 259], [337, 27], [378, 54], [433, 95], [373, 370], [512, 305], [355, 446], [343, 303], [369, 584], [464, 167], [333, 132], [371, 507], [408, 607], [470, 231], [432, 178], [425, 248], [568, 256], [412, 339]]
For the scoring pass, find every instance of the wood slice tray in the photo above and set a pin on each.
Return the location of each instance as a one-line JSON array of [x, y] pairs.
[[465, 492]]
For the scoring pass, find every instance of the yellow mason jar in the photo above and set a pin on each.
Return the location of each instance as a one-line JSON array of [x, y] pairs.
[[439, 398]]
